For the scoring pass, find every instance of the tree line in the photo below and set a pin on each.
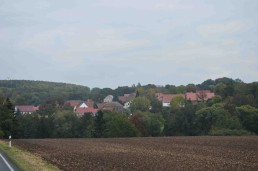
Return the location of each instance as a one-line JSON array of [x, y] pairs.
[[233, 111]]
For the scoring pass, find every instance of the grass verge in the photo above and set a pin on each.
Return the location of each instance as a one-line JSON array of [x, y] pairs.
[[24, 160]]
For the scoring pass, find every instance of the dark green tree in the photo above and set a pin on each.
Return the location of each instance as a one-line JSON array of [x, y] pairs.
[[6, 116], [118, 125], [99, 125]]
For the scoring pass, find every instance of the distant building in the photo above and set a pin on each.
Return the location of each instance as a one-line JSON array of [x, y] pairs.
[[199, 96], [109, 98], [26, 109], [81, 111], [111, 106], [126, 99], [166, 98], [76, 104]]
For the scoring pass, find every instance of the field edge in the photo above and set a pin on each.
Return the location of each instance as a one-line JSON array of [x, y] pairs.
[[25, 160]]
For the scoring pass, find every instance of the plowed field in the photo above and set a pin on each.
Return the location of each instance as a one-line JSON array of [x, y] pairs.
[[163, 153]]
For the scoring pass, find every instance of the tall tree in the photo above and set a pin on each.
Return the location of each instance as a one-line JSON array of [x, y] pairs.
[[6, 116], [99, 125]]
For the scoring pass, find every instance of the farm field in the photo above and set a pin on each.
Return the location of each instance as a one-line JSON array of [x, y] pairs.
[[161, 153]]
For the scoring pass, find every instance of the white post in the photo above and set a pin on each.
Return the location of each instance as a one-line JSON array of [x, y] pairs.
[[10, 141]]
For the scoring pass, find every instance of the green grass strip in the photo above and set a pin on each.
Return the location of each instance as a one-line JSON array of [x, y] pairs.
[[24, 160]]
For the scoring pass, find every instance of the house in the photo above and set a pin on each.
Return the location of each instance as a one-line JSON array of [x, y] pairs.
[[74, 103], [81, 111], [80, 104], [111, 106], [126, 99], [109, 98], [166, 98], [26, 109], [81, 107], [199, 96]]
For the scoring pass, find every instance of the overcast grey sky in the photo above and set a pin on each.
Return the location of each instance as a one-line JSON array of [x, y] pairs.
[[111, 43]]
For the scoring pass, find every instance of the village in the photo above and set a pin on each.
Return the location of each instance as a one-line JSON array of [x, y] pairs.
[[81, 107]]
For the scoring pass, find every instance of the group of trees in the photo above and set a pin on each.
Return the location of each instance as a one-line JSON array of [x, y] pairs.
[[233, 111]]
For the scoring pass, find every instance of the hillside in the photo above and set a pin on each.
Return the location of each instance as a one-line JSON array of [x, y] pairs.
[[35, 92]]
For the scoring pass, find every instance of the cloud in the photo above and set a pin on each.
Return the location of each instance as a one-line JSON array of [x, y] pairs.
[[171, 6], [150, 5], [104, 40], [73, 45], [221, 29]]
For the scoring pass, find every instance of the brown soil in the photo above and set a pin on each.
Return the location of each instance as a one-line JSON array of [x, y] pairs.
[[162, 153]]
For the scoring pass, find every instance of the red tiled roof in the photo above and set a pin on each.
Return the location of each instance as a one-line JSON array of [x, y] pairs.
[[210, 95], [166, 98], [27, 108], [86, 110], [74, 103], [199, 95], [191, 96]]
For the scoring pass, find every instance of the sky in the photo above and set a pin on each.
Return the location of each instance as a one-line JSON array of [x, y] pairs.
[[111, 43]]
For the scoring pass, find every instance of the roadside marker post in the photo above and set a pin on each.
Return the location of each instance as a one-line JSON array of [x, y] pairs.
[[10, 141]]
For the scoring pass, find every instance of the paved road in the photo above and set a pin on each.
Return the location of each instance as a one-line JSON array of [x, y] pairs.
[[6, 165]]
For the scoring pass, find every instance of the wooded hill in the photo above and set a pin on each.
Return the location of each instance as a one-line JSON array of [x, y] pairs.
[[23, 92]]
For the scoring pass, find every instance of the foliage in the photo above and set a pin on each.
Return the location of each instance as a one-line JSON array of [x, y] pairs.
[[233, 111], [181, 122], [148, 124], [99, 125], [249, 117], [6, 116], [36, 92], [1, 134], [140, 103], [176, 103], [86, 127], [118, 125], [215, 118], [66, 125]]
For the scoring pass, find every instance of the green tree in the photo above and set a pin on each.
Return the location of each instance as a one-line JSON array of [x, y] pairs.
[[176, 103], [99, 125], [249, 117], [216, 118], [87, 125], [182, 121], [180, 89], [118, 125], [140, 103], [191, 88], [28, 126], [6, 116], [148, 124], [142, 122], [66, 125], [156, 124]]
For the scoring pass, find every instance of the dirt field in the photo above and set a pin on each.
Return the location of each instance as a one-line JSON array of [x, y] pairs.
[[163, 153]]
